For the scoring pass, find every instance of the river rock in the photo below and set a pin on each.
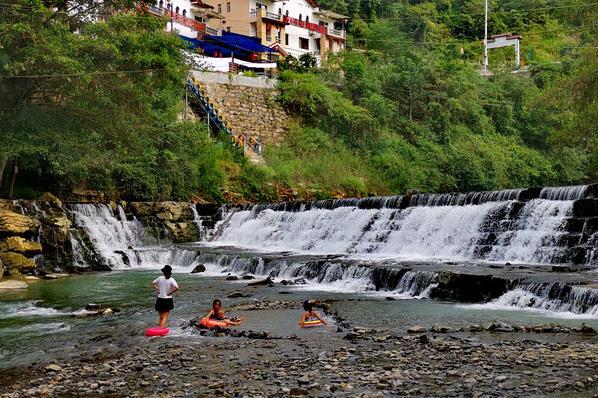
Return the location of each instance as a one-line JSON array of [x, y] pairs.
[[199, 268], [238, 294], [54, 368], [49, 198], [12, 223], [18, 244], [417, 329], [142, 209], [263, 282], [13, 285], [16, 262]]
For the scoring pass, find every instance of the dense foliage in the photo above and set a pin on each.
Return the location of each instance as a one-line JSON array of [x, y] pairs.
[[93, 103], [407, 108]]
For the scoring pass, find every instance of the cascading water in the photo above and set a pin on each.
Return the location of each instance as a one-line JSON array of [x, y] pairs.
[[119, 242], [552, 297], [493, 226]]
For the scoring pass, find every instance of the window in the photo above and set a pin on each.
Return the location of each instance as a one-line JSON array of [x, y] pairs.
[[279, 11], [228, 28], [228, 6], [177, 9], [318, 48], [286, 13], [161, 4], [286, 39], [304, 43], [184, 13], [300, 17], [219, 8], [307, 18]]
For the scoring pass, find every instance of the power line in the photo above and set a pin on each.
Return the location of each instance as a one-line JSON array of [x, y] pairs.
[[81, 74]]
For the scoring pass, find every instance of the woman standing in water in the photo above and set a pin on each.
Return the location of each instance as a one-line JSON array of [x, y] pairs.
[[165, 286]]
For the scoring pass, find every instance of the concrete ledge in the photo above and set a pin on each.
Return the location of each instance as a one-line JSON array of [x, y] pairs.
[[235, 80]]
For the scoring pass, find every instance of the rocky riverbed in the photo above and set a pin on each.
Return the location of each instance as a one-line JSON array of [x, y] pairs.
[[332, 362]]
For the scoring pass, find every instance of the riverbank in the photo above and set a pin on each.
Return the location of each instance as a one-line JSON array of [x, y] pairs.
[[323, 363]]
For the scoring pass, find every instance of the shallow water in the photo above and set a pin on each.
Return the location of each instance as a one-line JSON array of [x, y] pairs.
[[40, 323]]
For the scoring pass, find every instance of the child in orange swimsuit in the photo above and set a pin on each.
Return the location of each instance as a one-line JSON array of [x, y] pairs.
[[217, 314]]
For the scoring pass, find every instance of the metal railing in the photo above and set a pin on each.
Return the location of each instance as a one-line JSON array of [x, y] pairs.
[[336, 32], [216, 119], [211, 31]]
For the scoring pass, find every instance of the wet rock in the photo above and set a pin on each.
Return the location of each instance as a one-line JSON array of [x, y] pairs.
[[198, 268], [441, 329], [54, 275], [13, 285], [587, 329], [264, 282], [238, 294], [417, 329], [247, 277], [16, 262], [475, 328], [232, 278]]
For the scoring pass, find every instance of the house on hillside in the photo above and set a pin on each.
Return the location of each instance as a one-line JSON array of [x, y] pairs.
[[189, 18], [293, 27]]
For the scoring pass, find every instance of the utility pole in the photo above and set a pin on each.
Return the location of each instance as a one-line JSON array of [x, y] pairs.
[[485, 37]]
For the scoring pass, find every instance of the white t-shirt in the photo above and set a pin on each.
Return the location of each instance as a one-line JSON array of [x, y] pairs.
[[166, 286]]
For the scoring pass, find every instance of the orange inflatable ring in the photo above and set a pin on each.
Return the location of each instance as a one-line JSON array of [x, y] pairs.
[[212, 323], [311, 324]]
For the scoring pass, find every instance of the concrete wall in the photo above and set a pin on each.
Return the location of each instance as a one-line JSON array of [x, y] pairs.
[[249, 104]]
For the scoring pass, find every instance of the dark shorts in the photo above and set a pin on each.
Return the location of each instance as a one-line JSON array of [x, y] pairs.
[[164, 305]]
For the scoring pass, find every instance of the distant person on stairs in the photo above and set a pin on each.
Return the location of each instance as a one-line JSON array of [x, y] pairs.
[[165, 286]]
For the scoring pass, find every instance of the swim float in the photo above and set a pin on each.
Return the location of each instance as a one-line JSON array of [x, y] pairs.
[[310, 324], [151, 332], [212, 323]]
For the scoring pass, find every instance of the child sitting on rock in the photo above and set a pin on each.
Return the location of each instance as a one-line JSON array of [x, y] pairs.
[[217, 314]]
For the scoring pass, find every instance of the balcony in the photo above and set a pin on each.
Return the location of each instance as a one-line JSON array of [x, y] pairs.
[[211, 31], [336, 33], [267, 16], [306, 25], [188, 22]]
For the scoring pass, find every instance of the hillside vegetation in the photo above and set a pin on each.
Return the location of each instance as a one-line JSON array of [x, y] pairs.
[[95, 106]]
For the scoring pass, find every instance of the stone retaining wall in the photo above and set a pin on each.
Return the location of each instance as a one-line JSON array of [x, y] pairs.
[[249, 104]]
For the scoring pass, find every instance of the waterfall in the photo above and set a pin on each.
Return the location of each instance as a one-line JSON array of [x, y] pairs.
[[443, 232], [328, 275], [536, 235], [120, 243], [565, 193], [490, 226], [553, 297]]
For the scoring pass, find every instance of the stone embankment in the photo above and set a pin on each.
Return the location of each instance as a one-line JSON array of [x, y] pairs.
[[36, 237]]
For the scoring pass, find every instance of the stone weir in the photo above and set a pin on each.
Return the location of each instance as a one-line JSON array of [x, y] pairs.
[[47, 235], [537, 225]]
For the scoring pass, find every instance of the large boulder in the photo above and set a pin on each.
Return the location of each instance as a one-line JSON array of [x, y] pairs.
[[12, 223], [18, 244], [174, 211], [16, 262], [142, 209], [51, 199]]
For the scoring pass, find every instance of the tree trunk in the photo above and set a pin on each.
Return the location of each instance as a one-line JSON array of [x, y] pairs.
[[3, 161], [15, 171]]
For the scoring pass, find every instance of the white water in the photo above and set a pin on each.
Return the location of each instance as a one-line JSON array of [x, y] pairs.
[[536, 234], [121, 242], [415, 233], [579, 303]]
